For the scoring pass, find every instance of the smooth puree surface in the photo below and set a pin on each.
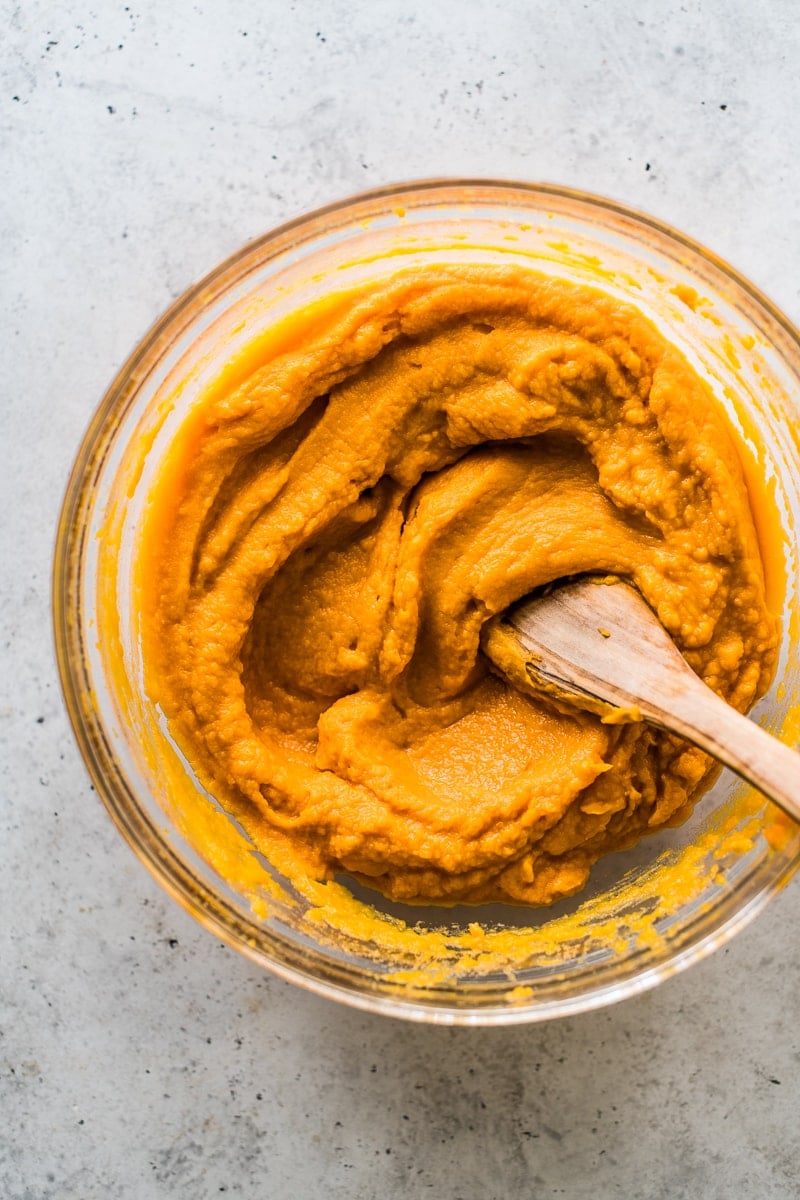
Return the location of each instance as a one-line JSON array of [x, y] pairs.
[[330, 533]]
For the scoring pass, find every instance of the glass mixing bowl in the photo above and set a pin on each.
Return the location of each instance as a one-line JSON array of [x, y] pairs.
[[646, 913]]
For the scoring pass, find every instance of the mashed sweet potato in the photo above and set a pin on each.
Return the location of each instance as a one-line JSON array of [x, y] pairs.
[[328, 537]]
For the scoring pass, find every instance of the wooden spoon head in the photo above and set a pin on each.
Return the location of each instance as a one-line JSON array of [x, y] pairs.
[[593, 644]]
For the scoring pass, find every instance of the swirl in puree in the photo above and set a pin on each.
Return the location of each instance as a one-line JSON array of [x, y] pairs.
[[329, 534]]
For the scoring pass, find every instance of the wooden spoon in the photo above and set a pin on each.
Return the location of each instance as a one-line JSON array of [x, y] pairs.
[[595, 644]]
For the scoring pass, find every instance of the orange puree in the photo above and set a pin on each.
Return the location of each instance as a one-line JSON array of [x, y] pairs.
[[335, 525]]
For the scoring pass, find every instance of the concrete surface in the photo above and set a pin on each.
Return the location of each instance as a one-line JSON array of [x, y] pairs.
[[139, 144]]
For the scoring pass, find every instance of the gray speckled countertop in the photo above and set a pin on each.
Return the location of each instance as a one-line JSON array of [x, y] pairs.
[[140, 144]]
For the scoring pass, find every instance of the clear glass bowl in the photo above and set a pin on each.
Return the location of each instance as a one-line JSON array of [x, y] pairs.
[[646, 913]]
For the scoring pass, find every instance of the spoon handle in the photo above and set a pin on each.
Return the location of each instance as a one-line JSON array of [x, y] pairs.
[[701, 717]]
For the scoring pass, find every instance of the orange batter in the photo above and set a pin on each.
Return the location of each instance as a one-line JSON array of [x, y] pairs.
[[329, 535]]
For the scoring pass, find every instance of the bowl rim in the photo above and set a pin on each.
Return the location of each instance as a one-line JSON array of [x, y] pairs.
[[164, 863]]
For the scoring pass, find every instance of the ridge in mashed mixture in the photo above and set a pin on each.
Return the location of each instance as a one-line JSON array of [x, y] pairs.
[[328, 537]]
